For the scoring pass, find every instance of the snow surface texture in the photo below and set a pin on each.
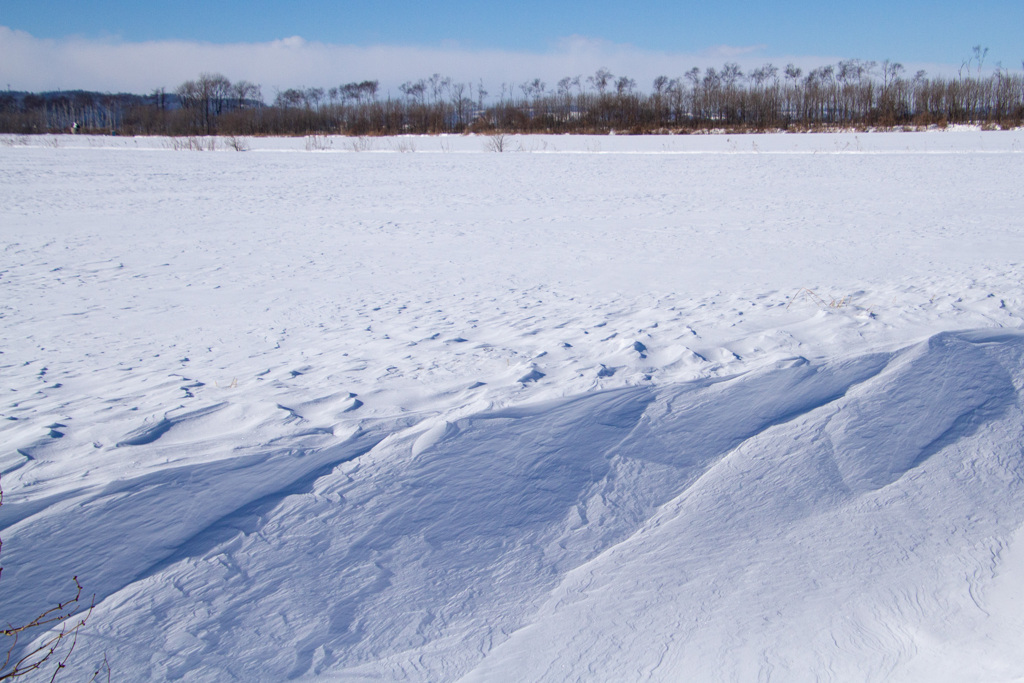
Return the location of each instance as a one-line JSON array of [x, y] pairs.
[[664, 408]]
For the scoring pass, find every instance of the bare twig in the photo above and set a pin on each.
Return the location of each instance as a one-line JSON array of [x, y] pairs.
[[810, 293], [63, 622]]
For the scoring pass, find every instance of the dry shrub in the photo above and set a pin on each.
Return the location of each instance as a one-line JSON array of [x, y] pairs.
[[62, 622]]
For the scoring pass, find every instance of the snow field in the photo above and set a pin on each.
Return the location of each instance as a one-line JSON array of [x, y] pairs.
[[607, 409]]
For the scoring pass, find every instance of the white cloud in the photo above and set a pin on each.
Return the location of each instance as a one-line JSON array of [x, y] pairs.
[[35, 64]]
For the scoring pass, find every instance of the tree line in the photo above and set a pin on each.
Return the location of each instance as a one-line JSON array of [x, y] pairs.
[[852, 93]]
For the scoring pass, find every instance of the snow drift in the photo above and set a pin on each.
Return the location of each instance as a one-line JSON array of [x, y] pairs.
[[425, 417], [714, 529]]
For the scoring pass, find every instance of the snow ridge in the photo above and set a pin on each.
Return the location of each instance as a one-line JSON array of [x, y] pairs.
[[591, 534]]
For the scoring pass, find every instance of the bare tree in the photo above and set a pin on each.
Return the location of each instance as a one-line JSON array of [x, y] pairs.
[[600, 80], [438, 86], [314, 96], [851, 92], [890, 72], [292, 98], [414, 91], [460, 102], [481, 94], [763, 74], [533, 89], [205, 97], [360, 92], [979, 56], [244, 92], [731, 74]]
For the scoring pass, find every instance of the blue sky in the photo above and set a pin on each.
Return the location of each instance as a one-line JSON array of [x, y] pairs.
[[497, 36]]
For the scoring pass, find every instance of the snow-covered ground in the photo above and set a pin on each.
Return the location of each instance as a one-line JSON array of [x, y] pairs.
[[596, 408]]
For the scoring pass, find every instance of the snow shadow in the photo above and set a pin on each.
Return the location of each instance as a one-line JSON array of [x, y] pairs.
[[468, 531]]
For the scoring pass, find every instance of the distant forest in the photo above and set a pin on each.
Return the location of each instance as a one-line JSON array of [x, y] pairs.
[[850, 94]]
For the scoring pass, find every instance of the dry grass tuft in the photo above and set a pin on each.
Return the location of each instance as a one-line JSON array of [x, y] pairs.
[[819, 300]]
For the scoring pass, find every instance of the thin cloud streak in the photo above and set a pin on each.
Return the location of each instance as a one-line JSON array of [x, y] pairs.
[[34, 64]]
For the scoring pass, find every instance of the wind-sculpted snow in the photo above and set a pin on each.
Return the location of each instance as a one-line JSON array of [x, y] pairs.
[[125, 529], [842, 506], [629, 533], [626, 408]]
